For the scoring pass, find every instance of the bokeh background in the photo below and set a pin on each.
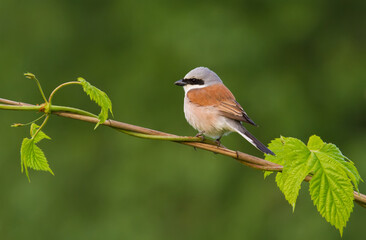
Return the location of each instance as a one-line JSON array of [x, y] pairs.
[[297, 67]]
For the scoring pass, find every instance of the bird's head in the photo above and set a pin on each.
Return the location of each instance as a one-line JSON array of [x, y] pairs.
[[199, 77]]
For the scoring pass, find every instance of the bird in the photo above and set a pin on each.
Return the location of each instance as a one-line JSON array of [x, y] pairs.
[[211, 108]]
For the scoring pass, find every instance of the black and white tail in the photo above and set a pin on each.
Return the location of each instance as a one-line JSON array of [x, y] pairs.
[[250, 138]]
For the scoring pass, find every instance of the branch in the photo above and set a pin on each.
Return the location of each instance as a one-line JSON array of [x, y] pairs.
[[141, 132]]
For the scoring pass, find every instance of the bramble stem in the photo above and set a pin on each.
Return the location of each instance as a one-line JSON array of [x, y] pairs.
[[21, 108], [40, 108], [169, 138], [246, 159], [55, 108]]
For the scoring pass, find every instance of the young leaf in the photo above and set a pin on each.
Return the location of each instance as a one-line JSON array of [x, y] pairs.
[[293, 155], [277, 146], [41, 135], [330, 188], [350, 168], [333, 174], [100, 98], [31, 155]]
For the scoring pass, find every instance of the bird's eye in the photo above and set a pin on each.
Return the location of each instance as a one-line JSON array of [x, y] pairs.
[[193, 81]]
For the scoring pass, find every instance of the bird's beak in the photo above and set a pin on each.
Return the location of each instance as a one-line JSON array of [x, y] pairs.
[[180, 83]]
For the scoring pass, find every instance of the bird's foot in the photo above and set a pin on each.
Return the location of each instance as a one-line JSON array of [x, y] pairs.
[[218, 143], [200, 135]]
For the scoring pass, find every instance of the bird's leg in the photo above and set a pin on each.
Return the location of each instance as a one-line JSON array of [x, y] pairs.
[[218, 142], [200, 135]]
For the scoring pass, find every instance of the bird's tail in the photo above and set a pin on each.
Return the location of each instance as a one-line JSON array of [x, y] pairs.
[[250, 138]]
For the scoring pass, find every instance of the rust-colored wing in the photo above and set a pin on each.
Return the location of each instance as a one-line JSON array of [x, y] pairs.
[[219, 96]]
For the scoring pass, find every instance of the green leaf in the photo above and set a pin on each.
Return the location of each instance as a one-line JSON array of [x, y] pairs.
[[295, 170], [275, 145], [100, 98], [33, 157], [334, 152], [40, 135], [330, 188], [333, 174], [348, 165], [352, 173]]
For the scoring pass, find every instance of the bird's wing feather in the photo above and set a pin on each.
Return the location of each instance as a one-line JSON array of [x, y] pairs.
[[219, 96]]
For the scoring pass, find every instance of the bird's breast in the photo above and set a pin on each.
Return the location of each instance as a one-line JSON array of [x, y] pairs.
[[205, 119]]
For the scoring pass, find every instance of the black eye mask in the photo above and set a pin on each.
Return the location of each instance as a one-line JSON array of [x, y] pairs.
[[193, 81]]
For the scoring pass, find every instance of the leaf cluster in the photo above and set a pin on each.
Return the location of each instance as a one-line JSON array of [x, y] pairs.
[[333, 176], [31, 155]]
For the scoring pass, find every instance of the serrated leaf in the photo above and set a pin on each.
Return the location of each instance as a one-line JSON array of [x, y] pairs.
[[351, 171], [100, 98], [353, 174], [33, 157], [315, 143], [40, 135], [333, 174], [295, 170], [330, 188], [275, 145]]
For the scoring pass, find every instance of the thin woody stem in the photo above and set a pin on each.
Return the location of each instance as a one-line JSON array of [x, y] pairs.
[[168, 138], [40, 108], [246, 159], [22, 108]]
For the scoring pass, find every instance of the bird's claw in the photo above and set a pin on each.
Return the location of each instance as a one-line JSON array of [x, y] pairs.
[[200, 135], [218, 143]]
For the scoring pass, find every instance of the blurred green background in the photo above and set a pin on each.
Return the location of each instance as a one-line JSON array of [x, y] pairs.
[[297, 67]]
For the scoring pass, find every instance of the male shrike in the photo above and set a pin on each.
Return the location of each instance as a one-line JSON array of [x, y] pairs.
[[211, 108]]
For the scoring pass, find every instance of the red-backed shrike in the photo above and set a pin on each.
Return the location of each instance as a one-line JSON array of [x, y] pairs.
[[211, 108]]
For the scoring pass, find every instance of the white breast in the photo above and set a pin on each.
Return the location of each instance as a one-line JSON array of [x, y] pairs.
[[206, 120]]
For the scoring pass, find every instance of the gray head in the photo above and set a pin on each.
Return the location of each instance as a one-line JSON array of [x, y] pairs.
[[198, 78]]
